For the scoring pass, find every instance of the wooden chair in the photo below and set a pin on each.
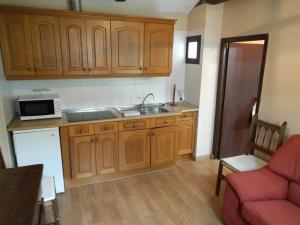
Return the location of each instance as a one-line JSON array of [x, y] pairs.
[[265, 139]]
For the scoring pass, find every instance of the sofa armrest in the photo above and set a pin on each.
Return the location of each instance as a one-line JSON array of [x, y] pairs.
[[258, 185]]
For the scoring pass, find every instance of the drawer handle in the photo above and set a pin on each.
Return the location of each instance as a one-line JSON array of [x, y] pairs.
[[165, 122], [134, 125]]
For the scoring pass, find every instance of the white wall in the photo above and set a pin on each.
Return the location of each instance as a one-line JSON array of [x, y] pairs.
[[6, 115], [196, 25], [281, 19], [201, 80], [209, 78]]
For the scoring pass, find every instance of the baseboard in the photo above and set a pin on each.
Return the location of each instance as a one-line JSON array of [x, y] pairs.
[[202, 157]]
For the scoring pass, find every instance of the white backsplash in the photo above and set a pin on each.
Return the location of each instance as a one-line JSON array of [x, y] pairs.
[[83, 93]]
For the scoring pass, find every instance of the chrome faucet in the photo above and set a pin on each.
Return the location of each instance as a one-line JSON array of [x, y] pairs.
[[143, 105]]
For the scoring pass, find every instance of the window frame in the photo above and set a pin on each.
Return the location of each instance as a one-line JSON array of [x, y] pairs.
[[196, 38]]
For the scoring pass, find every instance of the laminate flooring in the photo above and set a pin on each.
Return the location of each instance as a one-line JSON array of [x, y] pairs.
[[181, 195]]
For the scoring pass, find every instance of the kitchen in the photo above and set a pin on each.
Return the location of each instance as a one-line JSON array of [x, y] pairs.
[[76, 115]]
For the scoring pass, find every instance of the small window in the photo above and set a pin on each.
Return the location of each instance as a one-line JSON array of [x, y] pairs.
[[193, 49]]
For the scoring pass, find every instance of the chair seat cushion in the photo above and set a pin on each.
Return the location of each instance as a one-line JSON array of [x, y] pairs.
[[278, 212], [243, 163], [286, 160], [258, 185]]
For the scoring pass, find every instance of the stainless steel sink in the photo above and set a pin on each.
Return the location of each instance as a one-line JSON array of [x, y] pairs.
[[146, 110]]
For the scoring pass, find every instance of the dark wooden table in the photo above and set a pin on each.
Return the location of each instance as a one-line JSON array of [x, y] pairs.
[[20, 195]]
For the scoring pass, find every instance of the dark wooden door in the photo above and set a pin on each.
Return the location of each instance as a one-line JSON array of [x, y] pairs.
[[239, 90]]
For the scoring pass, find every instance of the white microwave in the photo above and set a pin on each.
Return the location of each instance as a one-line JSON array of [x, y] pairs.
[[39, 106]]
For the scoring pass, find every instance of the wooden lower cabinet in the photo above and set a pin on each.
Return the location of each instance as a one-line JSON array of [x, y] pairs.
[[163, 146], [134, 150], [185, 140], [93, 155], [106, 153], [82, 151]]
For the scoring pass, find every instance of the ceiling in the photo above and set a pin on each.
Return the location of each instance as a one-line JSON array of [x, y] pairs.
[[169, 6]]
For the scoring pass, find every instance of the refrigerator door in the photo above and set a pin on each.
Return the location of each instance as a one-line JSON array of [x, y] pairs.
[[41, 146]]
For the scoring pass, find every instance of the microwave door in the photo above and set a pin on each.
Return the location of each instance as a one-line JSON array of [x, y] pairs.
[[36, 108]]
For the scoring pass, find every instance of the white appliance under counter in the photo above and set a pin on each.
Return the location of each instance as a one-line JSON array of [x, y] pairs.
[[41, 146]]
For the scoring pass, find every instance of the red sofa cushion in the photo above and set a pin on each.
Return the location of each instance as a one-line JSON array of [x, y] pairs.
[[231, 208], [294, 193], [286, 160], [278, 212], [257, 185]]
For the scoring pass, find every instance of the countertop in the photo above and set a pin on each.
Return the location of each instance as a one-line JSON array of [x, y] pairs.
[[17, 124]]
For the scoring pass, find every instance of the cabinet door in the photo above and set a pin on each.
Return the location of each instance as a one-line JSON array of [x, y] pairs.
[[163, 146], [106, 157], [16, 45], [127, 47], [73, 42], [82, 151], [158, 48], [134, 150], [185, 137], [46, 45], [99, 47]]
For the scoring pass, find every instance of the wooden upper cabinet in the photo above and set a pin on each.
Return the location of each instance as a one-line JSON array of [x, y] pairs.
[[74, 47], [82, 150], [158, 48], [163, 142], [99, 46], [16, 45], [46, 45], [185, 141], [106, 153], [127, 47], [134, 150]]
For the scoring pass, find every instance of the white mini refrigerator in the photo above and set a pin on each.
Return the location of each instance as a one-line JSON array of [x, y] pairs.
[[41, 146]]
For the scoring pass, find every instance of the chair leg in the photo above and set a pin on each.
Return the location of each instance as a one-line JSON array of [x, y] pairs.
[[219, 179]]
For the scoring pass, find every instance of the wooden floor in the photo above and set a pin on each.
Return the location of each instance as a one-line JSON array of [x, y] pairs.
[[180, 195]]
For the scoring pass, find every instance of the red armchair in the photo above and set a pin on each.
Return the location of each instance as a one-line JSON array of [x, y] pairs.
[[268, 196]]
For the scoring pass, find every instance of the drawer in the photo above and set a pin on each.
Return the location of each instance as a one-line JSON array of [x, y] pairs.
[[163, 121], [134, 125], [81, 130], [101, 128], [186, 116]]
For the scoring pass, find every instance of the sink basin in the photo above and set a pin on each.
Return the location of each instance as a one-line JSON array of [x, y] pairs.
[[146, 110]]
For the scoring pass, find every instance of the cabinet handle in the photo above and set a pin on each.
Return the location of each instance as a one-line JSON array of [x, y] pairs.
[[152, 133], [85, 69], [141, 68], [92, 140], [165, 122], [134, 125], [146, 68], [91, 69], [31, 69], [37, 69]]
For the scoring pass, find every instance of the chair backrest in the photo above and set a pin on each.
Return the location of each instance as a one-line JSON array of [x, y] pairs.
[[265, 138], [2, 163]]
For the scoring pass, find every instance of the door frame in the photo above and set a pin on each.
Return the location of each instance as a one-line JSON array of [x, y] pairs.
[[222, 75]]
